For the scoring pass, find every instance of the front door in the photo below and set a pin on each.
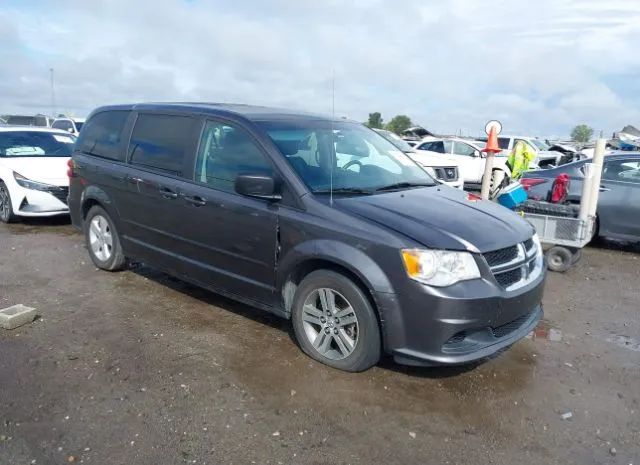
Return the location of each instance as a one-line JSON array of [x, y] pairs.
[[619, 201], [471, 163], [228, 240]]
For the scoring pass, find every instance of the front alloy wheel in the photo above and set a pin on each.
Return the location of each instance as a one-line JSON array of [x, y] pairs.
[[330, 323], [6, 210], [334, 321]]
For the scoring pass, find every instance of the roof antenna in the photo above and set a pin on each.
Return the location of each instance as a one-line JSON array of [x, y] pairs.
[[333, 145]]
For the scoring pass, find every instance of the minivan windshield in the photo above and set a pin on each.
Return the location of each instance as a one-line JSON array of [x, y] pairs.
[[35, 144], [344, 157], [395, 140]]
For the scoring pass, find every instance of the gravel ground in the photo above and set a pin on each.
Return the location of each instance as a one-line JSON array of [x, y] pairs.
[[139, 368]]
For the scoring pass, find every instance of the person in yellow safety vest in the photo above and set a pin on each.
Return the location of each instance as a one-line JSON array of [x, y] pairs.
[[519, 159]]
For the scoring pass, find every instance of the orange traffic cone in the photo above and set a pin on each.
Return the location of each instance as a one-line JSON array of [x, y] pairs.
[[492, 142]]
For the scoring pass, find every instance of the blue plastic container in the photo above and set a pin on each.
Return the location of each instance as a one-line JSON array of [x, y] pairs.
[[512, 196]]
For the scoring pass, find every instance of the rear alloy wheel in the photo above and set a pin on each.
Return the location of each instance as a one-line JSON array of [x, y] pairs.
[[334, 322], [102, 240], [6, 209]]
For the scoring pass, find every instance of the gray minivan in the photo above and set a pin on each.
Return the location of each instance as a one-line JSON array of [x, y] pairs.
[[318, 220]]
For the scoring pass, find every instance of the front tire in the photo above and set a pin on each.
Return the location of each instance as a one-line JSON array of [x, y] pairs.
[[102, 240], [334, 322], [6, 208]]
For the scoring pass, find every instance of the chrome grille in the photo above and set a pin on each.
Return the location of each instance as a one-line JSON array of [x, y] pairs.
[[61, 193], [446, 173], [516, 265], [500, 256], [528, 244], [509, 278]]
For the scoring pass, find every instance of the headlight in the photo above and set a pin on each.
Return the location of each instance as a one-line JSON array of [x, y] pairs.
[[430, 171], [34, 185], [439, 267], [536, 243]]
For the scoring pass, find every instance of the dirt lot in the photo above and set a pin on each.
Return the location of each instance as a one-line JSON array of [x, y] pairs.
[[139, 368]]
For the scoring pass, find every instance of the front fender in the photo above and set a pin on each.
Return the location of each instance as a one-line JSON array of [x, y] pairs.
[[341, 254]]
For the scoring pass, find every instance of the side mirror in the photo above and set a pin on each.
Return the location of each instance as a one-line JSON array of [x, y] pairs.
[[71, 130], [259, 186], [477, 153]]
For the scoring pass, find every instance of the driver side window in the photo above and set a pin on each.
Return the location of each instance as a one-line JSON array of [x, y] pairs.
[[460, 148], [225, 152]]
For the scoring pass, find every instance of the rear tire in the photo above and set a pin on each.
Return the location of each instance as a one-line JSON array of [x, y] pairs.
[[6, 208], [334, 322], [102, 240], [559, 259]]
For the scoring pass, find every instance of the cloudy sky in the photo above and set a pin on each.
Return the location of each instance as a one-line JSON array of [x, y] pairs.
[[540, 67]]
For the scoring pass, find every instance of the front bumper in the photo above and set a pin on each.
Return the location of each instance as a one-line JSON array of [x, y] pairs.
[[34, 203], [468, 321]]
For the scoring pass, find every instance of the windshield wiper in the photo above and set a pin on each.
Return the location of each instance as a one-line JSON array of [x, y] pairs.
[[344, 190], [404, 185]]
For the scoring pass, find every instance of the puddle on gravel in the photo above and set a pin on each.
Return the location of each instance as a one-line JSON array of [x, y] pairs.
[[545, 330], [626, 342]]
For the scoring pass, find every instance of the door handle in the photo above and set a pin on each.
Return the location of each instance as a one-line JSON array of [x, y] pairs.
[[195, 200], [168, 193], [604, 189], [133, 180]]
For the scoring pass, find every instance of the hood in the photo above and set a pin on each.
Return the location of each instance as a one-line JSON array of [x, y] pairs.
[[50, 170], [433, 159], [547, 155], [442, 218]]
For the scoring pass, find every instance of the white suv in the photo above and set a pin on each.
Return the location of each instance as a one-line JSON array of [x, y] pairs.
[[71, 125], [465, 153], [445, 170]]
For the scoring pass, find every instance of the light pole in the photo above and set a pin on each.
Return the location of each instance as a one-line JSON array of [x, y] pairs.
[[53, 95]]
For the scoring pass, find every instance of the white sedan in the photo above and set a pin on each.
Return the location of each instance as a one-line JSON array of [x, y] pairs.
[[33, 171]]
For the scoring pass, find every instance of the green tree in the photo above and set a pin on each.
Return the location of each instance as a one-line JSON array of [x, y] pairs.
[[581, 133], [375, 120], [399, 123]]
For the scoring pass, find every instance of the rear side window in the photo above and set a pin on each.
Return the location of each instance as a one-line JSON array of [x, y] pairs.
[[102, 135], [436, 146], [161, 142], [63, 124], [622, 170]]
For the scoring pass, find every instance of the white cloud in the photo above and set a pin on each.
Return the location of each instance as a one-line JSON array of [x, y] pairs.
[[449, 65]]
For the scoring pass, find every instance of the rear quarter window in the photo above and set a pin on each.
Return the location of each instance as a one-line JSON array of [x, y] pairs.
[[102, 135]]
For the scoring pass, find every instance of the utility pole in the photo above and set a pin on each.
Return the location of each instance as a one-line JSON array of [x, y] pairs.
[[53, 95]]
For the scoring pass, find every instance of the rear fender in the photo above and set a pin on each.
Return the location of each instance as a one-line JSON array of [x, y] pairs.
[[96, 195]]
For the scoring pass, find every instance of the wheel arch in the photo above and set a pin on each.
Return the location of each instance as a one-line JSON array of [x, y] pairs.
[[94, 195], [335, 256]]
